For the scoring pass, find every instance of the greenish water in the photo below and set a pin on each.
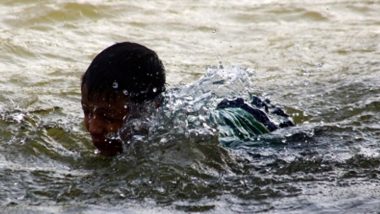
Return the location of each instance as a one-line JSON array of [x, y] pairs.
[[320, 61]]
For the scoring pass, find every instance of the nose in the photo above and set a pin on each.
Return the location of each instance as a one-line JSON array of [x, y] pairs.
[[96, 126]]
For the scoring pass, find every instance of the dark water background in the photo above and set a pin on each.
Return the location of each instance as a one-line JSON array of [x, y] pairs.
[[319, 61]]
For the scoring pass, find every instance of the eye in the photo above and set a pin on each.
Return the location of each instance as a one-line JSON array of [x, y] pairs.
[[86, 111], [109, 117]]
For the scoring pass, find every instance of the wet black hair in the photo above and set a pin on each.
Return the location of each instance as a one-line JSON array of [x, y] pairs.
[[126, 67]]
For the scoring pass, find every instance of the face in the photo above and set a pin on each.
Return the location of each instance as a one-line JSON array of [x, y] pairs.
[[102, 118]]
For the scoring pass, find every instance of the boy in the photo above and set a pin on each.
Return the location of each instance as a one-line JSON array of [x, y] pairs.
[[128, 74], [121, 74]]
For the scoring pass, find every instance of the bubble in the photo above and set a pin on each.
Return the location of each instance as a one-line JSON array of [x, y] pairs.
[[19, 117], [115, 85], [154, 90], [164, 140], [125, 92]]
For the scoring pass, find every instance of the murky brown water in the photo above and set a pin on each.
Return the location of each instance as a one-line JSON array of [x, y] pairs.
[[321, 61]]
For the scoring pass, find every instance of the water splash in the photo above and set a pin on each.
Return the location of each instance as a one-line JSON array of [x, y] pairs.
[[186, 110]]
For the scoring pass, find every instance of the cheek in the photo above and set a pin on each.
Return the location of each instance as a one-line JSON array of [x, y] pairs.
[[115, 126], [86, 122]]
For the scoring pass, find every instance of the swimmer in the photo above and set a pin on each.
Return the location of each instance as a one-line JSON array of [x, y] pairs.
[[127, 76], [123, 75]]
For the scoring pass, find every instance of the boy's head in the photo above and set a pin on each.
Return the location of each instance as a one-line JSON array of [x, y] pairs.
[[121, 74]]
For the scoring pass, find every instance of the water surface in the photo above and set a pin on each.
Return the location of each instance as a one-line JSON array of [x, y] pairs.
[[318, 60]]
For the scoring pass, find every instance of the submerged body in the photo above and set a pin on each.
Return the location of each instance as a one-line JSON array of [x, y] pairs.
[[126, 78], [237, 119]]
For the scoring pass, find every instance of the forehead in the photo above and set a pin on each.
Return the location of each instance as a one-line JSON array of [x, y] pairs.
[[108, 100]]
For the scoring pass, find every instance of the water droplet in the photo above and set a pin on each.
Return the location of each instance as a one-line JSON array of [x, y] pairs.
[[115, 85], [160, 189]]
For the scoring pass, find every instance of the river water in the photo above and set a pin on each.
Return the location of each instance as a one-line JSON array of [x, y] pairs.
[[319, 60]]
